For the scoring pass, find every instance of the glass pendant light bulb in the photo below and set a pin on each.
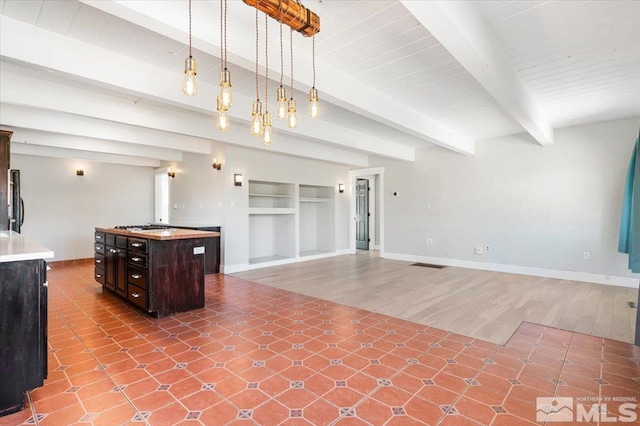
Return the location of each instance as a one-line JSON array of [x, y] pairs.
[[189, 87], [313, 102], [281, 105], [268, 131], [257, 126], [222, 121], [292, 117], [226, 99]]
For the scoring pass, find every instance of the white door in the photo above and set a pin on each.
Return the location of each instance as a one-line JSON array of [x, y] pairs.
[[161, 214]]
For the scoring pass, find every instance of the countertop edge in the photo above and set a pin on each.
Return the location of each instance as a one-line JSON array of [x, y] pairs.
[[174, 234]]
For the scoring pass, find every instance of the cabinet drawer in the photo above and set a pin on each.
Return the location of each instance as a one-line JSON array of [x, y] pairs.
[[99, 275], [99, 261], [138, 277], [138, 244], [137, 259], [137, 296], [110, 239], [121, 242], [99, 248], [99, 237]]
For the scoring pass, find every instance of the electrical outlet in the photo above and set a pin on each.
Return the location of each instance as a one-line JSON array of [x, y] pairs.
[[479, 250], [587, 255], [429, 241], [487, 248]]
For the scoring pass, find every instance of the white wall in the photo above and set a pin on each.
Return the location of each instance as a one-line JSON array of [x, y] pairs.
[[208, 196], [536, 207], [63, 209]]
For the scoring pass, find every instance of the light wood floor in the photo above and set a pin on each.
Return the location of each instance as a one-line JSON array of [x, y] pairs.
[[481, 304]]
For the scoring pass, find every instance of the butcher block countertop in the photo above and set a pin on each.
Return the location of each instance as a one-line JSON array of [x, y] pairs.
[[162, 234]]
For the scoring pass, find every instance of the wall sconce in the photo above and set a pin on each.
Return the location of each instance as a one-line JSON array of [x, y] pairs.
[[171, 173], [341, 188], [237, 179], [79, 172], [216, 165]]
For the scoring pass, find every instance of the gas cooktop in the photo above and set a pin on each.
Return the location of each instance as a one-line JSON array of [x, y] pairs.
[[142, 227]]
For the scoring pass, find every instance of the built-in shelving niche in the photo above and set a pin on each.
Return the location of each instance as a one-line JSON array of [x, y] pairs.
[[287, 221], [272, 224], [317, 220]]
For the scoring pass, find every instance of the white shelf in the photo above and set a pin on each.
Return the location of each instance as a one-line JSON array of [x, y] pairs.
[[314, 200], [271, 210], [271, 195], [314, 253], [265, 259]]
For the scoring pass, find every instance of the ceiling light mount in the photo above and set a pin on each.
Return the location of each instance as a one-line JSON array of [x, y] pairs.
[[290, 13]]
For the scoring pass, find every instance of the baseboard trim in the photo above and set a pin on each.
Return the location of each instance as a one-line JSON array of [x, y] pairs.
[[230, 269], [520, 270], [72, 262]]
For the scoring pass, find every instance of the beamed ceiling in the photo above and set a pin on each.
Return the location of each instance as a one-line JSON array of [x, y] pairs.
[[101, 79]]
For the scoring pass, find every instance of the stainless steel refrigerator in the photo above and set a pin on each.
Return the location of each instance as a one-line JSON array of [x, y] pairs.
[[16, 205]]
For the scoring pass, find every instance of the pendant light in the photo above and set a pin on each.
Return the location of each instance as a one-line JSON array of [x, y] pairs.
[[222, 121], [257, 127], [226, 98], [313, 93], [281, 105], [189, 87], [292, 117], [266, 118]]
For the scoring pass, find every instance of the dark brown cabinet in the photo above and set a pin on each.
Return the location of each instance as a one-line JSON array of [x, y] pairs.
[[23, 331], [162, 277], [5, 147]]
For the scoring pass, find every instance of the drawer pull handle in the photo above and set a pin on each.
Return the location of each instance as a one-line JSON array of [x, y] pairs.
[[45, 284], [136, 276], [113, 250], [98, 261], [136, 259], [98, 276], [98, 237], [136, 244], [136, 295], [98, 248]]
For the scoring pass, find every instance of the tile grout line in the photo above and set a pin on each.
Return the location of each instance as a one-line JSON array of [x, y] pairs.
[[90, 351], [555, 389]]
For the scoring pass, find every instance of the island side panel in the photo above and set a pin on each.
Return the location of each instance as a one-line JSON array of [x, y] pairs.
[[177, 276]]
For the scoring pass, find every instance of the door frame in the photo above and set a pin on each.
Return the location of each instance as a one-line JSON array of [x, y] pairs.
[[160, 171], [353, 177]]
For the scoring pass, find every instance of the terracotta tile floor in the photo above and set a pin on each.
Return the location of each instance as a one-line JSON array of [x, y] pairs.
[[260, 355]]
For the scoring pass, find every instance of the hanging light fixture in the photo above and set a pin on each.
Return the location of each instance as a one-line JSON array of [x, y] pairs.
[[292, 117], [222, 120], [257, 127], [313, 93], [226, 98], [189, 83], [281, 105], [267, 133]]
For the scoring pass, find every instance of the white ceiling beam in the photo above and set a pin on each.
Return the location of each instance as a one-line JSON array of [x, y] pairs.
[[64, 123], [74, 154], [40, 95], [66, 141], [458, 26], [55, 52], [170, 20]]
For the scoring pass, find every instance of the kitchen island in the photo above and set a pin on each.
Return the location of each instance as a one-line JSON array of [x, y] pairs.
[[23, 318], [160, 271]]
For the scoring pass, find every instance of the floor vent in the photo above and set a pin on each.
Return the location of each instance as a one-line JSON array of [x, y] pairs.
[[632, 305], [428, 265]]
